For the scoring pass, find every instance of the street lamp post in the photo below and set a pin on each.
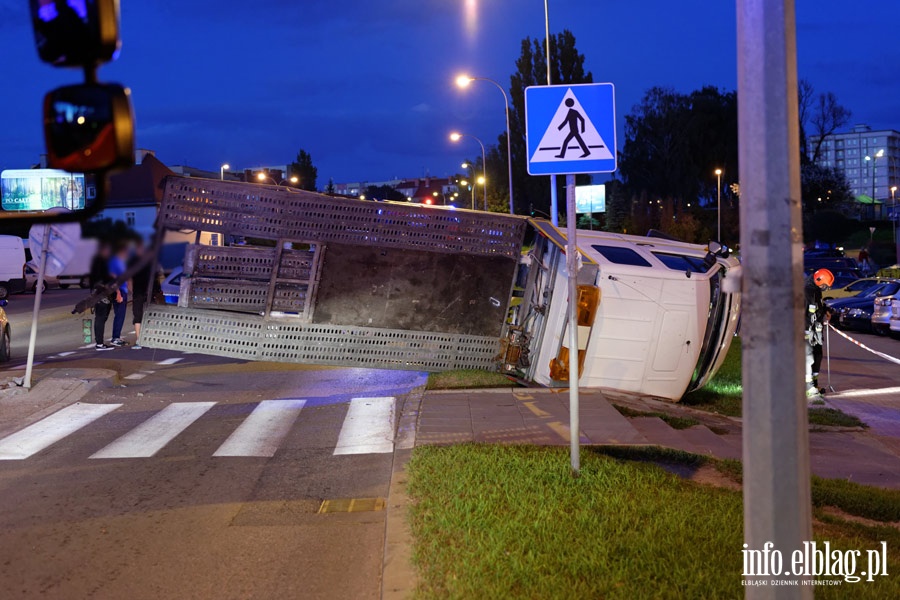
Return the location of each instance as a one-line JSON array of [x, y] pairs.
[[872, 159], [455, 137], [222, 170], [719, 202], [262, 177], [463, 81], [894, 222]]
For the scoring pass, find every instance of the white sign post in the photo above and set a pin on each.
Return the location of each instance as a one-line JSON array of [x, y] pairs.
[[571, 129], [57, 244]]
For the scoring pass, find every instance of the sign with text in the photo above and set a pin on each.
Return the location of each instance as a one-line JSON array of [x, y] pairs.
[[41, 189], [590, 199]]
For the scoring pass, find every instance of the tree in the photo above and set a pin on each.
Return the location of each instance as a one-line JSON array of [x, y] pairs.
[[303, 168], [617, 207], [805, 95], [674, 142], [823, 188], [566, 67], [828, 116], [330, 188], [383, 192]]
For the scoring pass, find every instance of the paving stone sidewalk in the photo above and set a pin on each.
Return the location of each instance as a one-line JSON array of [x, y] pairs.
[[541, 416]]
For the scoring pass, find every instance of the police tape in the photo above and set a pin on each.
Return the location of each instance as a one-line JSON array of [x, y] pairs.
[[887, 357]]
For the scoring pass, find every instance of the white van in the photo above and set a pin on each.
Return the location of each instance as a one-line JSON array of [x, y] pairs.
[[12, 265]]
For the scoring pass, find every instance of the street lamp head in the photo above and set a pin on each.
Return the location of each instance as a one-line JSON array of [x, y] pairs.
[[463, 182], [718, 172], [434, 194], [480, 181], [465, 165], [261, 176], [867, 158], [893, 188], [880, 153], [362, 196], [226, 166], [463, 81], [455, 137], [294, 179]]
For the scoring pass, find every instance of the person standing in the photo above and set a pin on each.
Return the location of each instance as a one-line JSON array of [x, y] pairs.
[[100, 278], [120, 302], [140, 283], [816, 320]]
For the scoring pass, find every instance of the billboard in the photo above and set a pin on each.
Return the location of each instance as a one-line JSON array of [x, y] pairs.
[[40, 189], [590, 199]]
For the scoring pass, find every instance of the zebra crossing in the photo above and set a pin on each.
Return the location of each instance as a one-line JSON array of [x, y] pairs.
[[367, 428]]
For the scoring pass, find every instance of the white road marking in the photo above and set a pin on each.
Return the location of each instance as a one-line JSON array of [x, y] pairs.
[[263, 430], [170, 361], [63, 354], [51, 429], [368, 427], [86, 346], [149, 437], [20, 367], [136, 376]]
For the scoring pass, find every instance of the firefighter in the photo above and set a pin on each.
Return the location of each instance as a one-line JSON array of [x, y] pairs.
[[816, 321]]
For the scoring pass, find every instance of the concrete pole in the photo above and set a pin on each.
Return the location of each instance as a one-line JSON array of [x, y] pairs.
[[38, 293], [573, 262], [776, 436]]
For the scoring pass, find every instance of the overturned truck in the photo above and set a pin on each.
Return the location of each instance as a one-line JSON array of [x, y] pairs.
[[336, 281]]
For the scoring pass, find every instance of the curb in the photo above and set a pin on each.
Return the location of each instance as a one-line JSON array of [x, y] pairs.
[[398, 576]]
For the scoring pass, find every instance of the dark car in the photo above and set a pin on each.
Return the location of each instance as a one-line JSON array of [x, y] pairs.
[[845, 270], [823, 253], [856, 312]]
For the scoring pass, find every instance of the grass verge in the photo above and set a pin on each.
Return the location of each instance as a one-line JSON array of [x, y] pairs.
[[466, 379], [511, 522], [833, 417], [722, 394], [673, 422]]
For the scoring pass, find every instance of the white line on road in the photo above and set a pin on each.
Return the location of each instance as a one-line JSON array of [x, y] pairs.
[[262, 431], [170, 361], [86, 346], [20, 367], [50, 430], [63, 354], [149, 437], [368, 427], [136, 376]]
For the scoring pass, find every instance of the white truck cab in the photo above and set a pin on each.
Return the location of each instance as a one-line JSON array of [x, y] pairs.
[[12, 265]]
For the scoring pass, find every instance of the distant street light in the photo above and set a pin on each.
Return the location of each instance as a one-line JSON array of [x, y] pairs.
[[719, 202], [455, 137], [222, 170], [261, 176], [463, 81], [868, 158]]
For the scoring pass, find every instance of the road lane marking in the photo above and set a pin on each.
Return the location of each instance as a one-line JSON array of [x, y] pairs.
[[64, 354], [263, 430], [368, 427], [86, 346], [51, 429], [170, 361], [20, 367], [136, 376], [149, 437]]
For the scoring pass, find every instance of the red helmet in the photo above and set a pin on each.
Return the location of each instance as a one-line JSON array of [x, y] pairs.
[[823, 277]]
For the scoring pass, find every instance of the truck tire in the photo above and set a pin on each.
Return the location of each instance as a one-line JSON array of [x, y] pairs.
[[64, 286], [4, 292], [85, 283], [5, 345]]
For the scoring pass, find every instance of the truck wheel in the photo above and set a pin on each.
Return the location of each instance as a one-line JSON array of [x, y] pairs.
[[5, 346], [4, 292], [85, 283], [64, 286]]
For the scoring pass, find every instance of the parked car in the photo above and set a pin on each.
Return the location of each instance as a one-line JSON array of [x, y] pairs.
[[31, 277], [881, 317], [12, 265], [895, 317], [5, 335], [856, 312], [857, 287], [823, 253]]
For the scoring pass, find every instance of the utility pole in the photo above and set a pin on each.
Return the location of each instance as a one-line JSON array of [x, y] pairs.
[[776, 435]]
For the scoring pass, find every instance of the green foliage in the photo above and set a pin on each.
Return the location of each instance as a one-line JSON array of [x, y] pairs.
[[823, 188], [304, 169], [329, 189], [566, 66]]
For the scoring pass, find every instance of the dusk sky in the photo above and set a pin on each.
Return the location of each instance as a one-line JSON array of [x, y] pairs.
[[367, 86]]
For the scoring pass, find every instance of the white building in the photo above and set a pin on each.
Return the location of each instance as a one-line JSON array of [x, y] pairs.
[[866, 157]]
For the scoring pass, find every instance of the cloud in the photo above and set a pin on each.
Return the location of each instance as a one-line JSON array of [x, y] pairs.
[[422, 107]]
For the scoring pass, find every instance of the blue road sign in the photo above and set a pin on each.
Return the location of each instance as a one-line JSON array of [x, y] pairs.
[[570, 129]]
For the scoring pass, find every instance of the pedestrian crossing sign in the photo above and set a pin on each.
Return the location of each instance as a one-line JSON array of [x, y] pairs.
[[570, 129]]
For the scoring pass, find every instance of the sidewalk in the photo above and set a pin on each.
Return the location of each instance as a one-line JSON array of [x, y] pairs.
[[541, 416]]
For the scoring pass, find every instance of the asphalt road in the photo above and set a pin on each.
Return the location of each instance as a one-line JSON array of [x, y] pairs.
[[193, 476]]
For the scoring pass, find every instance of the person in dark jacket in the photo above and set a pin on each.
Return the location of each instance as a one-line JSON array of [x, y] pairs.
[[100, 277], [816, 320]]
